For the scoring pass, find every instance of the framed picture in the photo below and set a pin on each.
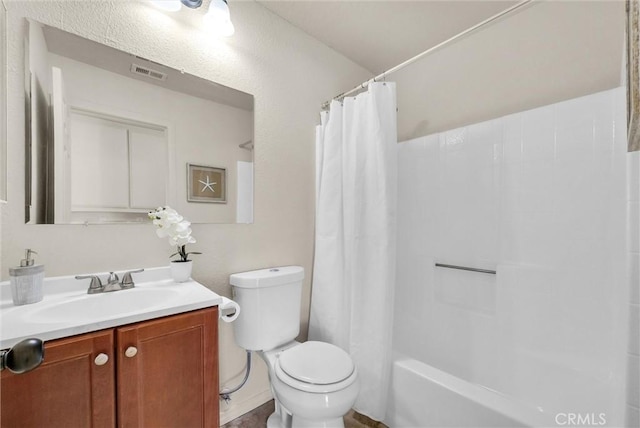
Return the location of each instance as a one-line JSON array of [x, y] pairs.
[[206, 184]]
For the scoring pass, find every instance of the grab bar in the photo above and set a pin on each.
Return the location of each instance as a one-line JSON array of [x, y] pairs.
[[470, 269]]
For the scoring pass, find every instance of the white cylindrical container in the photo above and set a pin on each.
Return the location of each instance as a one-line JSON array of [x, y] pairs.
[[181, 271], [26, 281]]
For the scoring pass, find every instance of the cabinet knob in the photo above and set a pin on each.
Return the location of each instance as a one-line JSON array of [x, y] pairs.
[[101, 359], [131, 351]]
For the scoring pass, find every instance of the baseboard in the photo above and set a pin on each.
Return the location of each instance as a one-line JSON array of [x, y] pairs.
[[237, 409]]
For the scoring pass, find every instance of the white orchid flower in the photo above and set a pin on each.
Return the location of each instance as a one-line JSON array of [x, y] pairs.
[[169, 224]]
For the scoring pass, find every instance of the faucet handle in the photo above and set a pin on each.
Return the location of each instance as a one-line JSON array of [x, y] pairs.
[[113, 278], [127, 280], [95, 286]]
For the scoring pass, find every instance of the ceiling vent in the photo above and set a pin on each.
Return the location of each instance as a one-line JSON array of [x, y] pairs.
[[146, 71]]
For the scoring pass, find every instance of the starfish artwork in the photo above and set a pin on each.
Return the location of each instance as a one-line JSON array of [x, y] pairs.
[[207, 185]]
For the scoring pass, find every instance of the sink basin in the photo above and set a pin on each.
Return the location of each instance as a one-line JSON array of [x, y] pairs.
[[96, 306], [67, 309]]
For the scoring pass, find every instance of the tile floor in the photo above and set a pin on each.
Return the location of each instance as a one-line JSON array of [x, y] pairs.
[[257, 418]]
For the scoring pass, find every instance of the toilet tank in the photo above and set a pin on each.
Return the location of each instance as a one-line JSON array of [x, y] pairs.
[[270, 303]]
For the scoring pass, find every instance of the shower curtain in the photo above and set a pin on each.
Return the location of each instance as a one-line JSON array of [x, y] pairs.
[[354, 266]]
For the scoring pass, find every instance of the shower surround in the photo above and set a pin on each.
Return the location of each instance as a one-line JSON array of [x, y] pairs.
[[539, 196]]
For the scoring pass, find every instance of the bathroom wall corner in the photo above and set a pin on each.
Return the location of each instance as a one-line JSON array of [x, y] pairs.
[[230, 412]]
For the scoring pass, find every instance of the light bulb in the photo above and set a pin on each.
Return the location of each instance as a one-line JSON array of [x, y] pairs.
[[218, 18], [167, 5]]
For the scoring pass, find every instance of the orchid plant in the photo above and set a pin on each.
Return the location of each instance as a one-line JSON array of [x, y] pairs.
[[172, 225]]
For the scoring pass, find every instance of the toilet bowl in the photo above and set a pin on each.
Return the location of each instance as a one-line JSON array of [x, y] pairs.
[[314, 384]]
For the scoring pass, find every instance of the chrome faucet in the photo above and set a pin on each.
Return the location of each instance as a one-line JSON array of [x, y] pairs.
[[113, 282], [95, 286]]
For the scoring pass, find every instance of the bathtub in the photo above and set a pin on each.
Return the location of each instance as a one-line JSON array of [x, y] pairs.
[[424, 396]]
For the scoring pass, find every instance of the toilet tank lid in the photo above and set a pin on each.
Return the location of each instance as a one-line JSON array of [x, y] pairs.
[[269, 277]]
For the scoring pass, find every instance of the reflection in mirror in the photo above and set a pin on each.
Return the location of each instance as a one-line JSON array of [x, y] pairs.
[[110, 136]]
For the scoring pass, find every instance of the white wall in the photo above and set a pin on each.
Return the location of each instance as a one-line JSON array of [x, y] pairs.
[[540, 197], [289, 73], [3, 103], [545, 53], [3, 123]]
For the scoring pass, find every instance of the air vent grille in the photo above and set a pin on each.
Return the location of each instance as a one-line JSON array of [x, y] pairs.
[[146, 71]]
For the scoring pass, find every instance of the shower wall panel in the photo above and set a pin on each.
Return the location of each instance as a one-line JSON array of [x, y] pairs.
[[538, 196]]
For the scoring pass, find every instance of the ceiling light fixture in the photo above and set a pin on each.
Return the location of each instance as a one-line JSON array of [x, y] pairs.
[[218, 18], [192, 4]]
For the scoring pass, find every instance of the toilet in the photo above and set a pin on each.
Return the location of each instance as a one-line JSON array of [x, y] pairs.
[[314, 384]]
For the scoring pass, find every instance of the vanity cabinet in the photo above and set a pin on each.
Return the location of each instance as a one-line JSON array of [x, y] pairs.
[[68, 390], [168, 372], [157, 373]]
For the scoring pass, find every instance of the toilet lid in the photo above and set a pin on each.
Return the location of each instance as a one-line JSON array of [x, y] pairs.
[[316, 363]]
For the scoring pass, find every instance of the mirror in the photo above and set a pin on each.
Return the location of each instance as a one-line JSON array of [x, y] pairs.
[[111, 136]]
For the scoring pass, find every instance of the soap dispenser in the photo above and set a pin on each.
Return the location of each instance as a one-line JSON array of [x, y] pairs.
[[26, 280]]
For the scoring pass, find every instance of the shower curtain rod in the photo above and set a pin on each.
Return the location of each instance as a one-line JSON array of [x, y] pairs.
[[363, 85]]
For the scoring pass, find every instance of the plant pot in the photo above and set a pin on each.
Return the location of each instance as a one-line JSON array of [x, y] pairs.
[[181, 271]]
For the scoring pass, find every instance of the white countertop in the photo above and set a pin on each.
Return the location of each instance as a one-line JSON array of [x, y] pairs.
[[134, 305]]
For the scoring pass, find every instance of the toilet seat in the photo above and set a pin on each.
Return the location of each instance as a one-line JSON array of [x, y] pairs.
[[315, 367]]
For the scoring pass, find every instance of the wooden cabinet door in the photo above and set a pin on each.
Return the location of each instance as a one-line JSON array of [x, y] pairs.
[[168, 371], [68, 390]]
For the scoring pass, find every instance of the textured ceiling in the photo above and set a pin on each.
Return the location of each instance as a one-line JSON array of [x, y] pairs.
[[378, 35]]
